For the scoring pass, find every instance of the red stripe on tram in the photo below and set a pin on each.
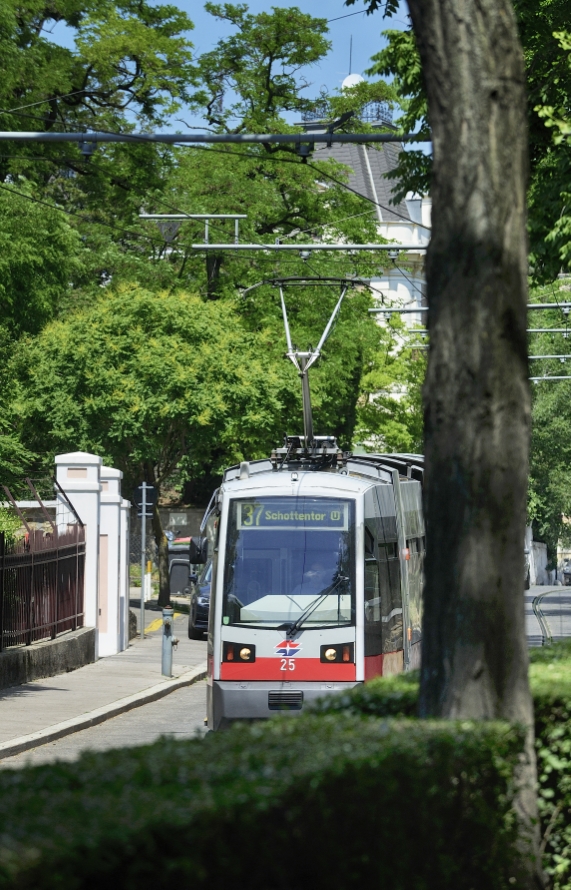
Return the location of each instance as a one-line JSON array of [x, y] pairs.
[[287, 669]]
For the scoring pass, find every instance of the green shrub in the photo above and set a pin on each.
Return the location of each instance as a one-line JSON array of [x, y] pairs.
[[316, 802], [550, 678], [10, 523], [395, 696]]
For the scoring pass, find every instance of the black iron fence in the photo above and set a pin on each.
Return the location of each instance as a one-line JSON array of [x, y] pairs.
[[41, 578]]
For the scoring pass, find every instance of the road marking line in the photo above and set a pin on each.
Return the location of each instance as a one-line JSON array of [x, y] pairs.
[[154, 625]]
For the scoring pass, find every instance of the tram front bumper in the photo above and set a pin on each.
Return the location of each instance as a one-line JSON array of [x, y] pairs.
[[229, 700]]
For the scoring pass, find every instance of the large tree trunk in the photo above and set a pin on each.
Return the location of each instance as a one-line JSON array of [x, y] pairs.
[[477, 401]]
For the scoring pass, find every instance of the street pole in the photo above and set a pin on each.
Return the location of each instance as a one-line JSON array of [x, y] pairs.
[[143, 555], [168, 642]]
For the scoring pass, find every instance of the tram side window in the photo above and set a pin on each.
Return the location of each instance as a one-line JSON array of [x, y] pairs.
[[373, 592], [391, 599], [415, 582], [373, 612]]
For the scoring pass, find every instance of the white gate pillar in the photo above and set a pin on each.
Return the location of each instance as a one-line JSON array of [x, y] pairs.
[[110, 563], [124, 559], [78, 473]]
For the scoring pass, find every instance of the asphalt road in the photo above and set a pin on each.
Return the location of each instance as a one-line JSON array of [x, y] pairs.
[[555, 605], [180, 714]]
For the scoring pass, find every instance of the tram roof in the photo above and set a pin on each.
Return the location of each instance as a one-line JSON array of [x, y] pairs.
[[359, 473], [300, 480]]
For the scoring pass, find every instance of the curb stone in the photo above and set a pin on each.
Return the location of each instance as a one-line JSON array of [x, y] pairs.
[[92, 718]]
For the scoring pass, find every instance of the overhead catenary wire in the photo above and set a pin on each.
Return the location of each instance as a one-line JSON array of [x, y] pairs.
[[309, 246], [118, 137], [283, 160], [532, 307], [262, 245], [184, 141], [97, 136], [529, 331]]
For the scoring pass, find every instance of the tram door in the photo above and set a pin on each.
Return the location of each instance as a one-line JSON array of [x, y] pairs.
[[383, 643], [411, 495]]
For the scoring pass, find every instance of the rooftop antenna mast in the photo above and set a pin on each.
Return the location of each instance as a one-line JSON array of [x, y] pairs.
[[304, 360]]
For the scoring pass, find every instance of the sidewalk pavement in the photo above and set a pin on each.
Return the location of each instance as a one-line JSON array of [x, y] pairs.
[[41, 711]]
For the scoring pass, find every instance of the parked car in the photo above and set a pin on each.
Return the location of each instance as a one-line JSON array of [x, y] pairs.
[[199, 602]]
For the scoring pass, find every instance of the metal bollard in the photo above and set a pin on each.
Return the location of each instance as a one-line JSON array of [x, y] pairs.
[[169, 642]]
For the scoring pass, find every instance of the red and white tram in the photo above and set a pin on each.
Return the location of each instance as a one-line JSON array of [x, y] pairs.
[[317, 572], [316, 582]]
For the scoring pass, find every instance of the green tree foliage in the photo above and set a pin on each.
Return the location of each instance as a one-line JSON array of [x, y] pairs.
[[389, 410], [39, 257], [259, 61], [154, 383], [258, 66], [550, 477], [131, 57], [171, 388], [167, 385], [248, 81], [131, 68]]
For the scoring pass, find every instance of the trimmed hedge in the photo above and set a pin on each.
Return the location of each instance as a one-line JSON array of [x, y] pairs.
[[550, 676], [550, 679], [316, 802]]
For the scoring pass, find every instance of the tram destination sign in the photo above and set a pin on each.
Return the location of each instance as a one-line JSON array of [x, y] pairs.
[[275, 513]]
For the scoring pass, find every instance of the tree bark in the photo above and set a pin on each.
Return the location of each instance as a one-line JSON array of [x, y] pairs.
[[162, 557], [476, 396]]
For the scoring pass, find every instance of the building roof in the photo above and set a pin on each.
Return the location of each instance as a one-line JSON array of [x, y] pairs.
[[370, 166]]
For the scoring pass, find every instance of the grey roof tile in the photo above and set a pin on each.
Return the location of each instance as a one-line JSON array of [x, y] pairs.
[[381, 161]]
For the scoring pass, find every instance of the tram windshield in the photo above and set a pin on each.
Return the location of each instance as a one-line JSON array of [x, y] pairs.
[[290, 561]]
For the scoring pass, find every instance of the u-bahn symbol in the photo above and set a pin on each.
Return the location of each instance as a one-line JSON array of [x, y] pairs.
[[288, 649]]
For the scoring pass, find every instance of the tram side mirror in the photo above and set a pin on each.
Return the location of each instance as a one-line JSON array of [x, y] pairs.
[[198, 551]]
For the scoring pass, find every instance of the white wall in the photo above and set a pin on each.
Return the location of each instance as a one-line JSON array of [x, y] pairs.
[[404, 283]]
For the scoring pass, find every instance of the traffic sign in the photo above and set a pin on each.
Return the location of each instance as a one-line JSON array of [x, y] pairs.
[[145, 496]]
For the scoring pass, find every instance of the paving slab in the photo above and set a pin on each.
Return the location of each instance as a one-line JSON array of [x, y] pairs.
[[34, 707]]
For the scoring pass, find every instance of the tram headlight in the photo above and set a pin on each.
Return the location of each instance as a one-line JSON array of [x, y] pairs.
[[341, 653], [237, 652]]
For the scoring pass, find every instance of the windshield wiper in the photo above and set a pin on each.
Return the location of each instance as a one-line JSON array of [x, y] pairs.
[[293, 628]]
